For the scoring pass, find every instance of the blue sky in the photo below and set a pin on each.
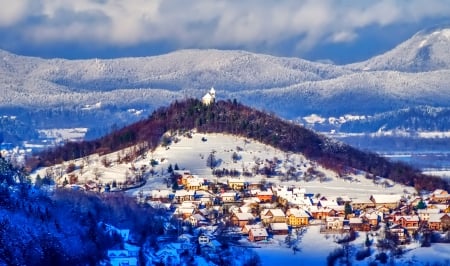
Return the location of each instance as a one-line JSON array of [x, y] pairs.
[[338, 30]]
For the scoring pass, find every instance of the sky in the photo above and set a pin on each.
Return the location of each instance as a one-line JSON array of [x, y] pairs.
[[341, 31]]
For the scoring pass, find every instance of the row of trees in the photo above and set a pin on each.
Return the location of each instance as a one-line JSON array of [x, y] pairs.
[[234, 118]]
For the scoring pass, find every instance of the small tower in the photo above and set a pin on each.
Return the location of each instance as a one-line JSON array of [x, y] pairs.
[[209, 97]]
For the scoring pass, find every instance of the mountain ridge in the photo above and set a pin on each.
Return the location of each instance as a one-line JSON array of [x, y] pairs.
[[290, 87]]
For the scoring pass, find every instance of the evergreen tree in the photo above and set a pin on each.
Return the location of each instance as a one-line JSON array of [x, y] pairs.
[[38, 182], [421, 205], [211, 161], [348, 209]]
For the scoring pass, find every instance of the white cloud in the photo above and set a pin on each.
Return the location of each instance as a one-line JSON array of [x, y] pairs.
[[343, 36], [12, 12], [209, 23]]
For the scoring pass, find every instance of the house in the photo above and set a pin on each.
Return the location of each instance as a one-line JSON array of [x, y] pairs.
[[179, 175], [236, 183], [439, 222], [399, 232], [246, 228], [279, 228], [228, 196], [257, 234], [119, 257], [203, 239], [185, 210], [440, 196], [209, 97], [372, 219], [273, 216], [184, 195], [386, 200], [197, 220], [334, 223], [409, 222], [297, 217], [124, 233], [265, 196], [241, 219], [168, 256], [357, 224], [191, 182], [424, 214], [320, 213], [362, 204]]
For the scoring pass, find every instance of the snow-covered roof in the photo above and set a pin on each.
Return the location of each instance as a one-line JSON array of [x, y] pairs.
[[279, 226], [361, 201], [259, 232], [409, 218], [274, 212], [244, 216], [182, 193], [228, 194], [386, 198], [297, 213], [264, 193], [435, 217], [355, 221], [428, 211]]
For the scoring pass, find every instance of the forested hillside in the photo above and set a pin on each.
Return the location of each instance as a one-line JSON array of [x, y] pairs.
[[234, 118], [64, 227]]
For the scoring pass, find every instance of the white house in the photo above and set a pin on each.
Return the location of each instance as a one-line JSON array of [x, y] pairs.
[[209, 97]]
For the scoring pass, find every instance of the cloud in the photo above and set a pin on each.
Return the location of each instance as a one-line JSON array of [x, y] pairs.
[[213, 23], [12, 11]]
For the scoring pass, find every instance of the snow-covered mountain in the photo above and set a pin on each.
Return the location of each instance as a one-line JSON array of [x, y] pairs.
[[97, 93], [428, 50]]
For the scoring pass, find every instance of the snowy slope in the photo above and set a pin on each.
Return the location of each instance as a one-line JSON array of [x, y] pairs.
[[190, 153]]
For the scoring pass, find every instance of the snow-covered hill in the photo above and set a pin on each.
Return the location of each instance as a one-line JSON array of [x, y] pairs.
[[191, 153]]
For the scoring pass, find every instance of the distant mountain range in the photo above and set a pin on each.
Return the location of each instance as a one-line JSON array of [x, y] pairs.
[[100, 94]]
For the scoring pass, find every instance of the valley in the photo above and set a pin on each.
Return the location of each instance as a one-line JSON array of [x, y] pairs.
[[286, 160]]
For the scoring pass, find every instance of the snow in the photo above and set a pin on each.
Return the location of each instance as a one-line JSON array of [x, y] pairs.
[[290, 87], [191, 154], [313, 118], [64, 134]]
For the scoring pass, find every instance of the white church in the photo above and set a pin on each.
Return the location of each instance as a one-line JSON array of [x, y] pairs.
[[209, 97]]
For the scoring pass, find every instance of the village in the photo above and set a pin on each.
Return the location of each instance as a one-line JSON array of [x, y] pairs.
[[206, 215]]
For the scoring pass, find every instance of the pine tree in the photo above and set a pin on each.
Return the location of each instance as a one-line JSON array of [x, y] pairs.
[[38, 182], [347, 209]]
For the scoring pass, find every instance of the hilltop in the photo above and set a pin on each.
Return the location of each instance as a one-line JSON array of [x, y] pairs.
[[233, 118]]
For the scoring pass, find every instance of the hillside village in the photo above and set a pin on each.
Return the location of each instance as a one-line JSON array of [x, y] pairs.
[[221, 207], [251, 199]]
